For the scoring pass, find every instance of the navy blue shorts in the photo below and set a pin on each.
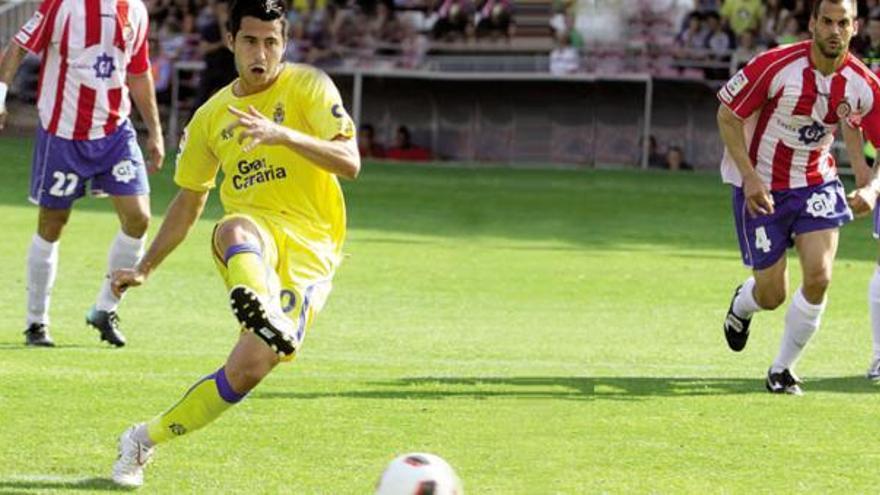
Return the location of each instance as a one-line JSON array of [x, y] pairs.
[[62, 168]]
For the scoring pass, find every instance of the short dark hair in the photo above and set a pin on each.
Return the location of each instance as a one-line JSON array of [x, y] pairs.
[[814, 9], [264, 10]]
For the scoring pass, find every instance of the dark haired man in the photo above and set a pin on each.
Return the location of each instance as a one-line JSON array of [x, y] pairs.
[[281, 137], [777, 119]]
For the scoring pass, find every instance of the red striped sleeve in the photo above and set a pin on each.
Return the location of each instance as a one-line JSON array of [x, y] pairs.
[[749, 88], [35, 35]]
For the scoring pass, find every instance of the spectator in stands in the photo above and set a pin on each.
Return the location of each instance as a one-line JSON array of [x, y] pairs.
[[871, 52], [706, 6], [775, 17], [385, 26], [674, 160], [689, 43], [404, 149], [575, 38], [719, 44], [656, 159], [453, 20], [561, 9], [494, 18], [414, 46], [747, 47], [161, 65], [742, 15], [564, 59], [367, 143], [219, 61], [791, 32], [298, 44]]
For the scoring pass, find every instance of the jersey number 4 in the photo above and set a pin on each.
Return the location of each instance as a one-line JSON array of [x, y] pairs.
[[762, 242], [65, 184]]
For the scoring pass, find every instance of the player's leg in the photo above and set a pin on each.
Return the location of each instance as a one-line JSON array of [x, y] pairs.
[[874, 307], [125, 252], [54, 185], [120, 172], [42, 269], [763, 241], [247, 252], [816, 251], [250, 361]]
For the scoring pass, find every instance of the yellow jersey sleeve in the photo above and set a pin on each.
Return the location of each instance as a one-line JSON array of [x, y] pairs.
[[196, 164], [325, 112]]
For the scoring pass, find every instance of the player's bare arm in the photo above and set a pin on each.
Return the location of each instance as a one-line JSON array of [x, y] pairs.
[[8, 67], [182, 214], [339, 157], [143, 93], [864, 197], [758, 198]]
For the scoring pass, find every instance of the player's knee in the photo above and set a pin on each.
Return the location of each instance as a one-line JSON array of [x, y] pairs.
[[51, 223], [136, 225], [233, 232], [771, 299], [817, 283]]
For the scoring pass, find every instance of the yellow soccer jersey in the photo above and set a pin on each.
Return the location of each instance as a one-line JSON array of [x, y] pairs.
[[272, 180]]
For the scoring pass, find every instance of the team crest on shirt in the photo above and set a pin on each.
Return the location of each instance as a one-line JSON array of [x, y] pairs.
[[278, 116], [124, 171], [813, 133], [843, 110], [104, 66]]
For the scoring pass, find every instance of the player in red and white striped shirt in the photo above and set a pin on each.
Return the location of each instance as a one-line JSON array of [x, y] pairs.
[[94, 61], [777, 119]]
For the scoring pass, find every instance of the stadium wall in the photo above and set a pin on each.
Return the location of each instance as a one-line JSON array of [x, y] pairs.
[[575, 123]]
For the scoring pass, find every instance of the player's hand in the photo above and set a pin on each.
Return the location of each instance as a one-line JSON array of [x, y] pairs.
[[862, 200], [758, 198], [122, 279], [155, 153], [257, 127]]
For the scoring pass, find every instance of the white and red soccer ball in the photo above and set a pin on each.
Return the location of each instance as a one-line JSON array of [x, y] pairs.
[[419, 474]]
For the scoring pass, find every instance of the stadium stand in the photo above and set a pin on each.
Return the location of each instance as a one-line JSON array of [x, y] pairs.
[[377, 50]]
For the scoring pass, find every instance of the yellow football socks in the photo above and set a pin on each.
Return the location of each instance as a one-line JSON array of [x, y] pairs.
[[203, 403], [244, 266]]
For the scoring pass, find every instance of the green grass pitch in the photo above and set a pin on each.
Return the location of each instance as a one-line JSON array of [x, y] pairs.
[[547, 332]]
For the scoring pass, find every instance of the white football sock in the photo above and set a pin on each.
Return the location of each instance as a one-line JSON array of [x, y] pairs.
[[42, 268], [125, 252], [874, 309], [801, 322], [745, 305]]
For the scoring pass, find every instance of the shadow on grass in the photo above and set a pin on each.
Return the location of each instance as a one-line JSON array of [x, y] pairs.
[[43, 485], [573, 388]]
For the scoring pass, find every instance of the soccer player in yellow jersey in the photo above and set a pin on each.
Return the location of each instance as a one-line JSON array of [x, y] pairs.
[[281, 137]]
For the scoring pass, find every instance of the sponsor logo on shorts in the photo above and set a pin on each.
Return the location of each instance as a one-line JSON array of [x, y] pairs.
[[822, 204], [124, 171]]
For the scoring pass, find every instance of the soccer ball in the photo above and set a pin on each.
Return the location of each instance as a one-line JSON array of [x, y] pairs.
[[419, 474]]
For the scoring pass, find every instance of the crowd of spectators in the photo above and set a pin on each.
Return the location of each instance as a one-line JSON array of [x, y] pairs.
[[731, 32]]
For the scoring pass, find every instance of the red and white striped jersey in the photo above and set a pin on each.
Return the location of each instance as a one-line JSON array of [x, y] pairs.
[[791, 111], [87, 48]]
